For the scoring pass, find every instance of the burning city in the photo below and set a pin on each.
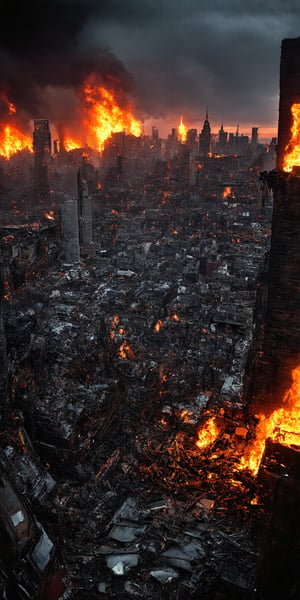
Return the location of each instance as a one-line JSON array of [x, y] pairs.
[[150, 353]]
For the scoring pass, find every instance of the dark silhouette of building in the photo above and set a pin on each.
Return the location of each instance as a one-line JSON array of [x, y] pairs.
[[205, 138], [155, 136], [254, 135], [289, 92], [280, 345], [191, 140], [221, 147], [42, 152]]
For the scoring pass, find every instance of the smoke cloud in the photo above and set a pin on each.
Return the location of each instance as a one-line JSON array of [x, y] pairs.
[[43, 62]]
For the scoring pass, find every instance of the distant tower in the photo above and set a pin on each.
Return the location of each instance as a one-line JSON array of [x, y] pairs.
[[254, 136], [222, 139], [155, 135], [191, 140], [42, 151], [205, 137]]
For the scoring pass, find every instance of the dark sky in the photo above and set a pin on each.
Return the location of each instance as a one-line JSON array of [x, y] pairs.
[[178, 56]]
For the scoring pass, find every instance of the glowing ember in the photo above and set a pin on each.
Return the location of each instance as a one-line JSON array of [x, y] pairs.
[[227, 191], [7, 292], [292, 157], [186, 416], [158, 325], [114, 324], [115, 321], [283, 426], [50, 215], [208, 434], [125, 351], [103, 116], [182, 131], [175, 317]]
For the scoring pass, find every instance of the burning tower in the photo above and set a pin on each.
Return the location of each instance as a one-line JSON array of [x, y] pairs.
[[280, 351]]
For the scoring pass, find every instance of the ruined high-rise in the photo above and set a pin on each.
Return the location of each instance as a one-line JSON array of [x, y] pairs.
[[280, 349], [42, 151]]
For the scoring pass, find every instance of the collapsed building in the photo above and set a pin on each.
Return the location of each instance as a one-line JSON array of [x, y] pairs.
[[128, 347]]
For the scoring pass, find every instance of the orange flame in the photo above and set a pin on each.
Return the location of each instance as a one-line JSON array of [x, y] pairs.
[[283, 426], [50, 215], [158, 325], [125, 351], [114, 324], [103, 116], [292, 157], [227, 191], [208, 434], [115, 321], [11, 138], [71, 144], [182, 131], [175, 317]]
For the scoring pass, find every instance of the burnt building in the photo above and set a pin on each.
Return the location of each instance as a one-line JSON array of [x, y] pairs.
[[280, 339], [222, 140], [254, 135], [42, 151], [191, 140], [289, 93]]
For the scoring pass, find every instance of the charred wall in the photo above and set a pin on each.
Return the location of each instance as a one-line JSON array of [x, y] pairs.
[[289, 92], [280, 348]]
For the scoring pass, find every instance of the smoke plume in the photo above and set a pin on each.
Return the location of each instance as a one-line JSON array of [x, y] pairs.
[[43, 62]]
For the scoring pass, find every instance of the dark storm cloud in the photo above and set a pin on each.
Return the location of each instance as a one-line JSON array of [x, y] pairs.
[[185, 54], [39, 51], [182, 54]]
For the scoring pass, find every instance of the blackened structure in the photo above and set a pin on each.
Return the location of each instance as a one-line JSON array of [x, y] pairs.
[[42, 151], [205, 138], [289, 92], [280, 350]]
